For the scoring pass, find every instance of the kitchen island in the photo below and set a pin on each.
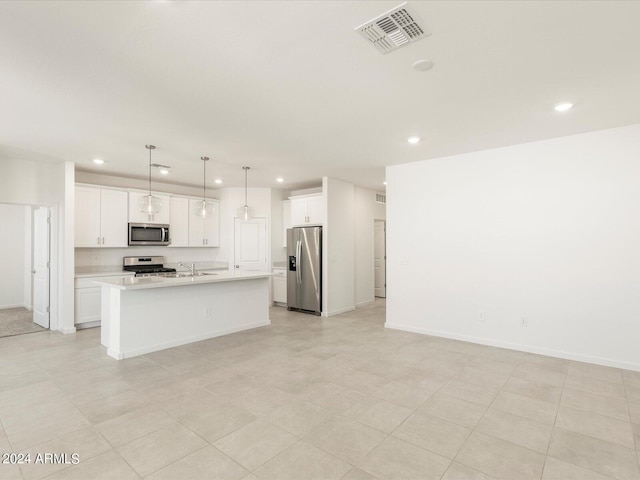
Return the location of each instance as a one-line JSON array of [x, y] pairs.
[[147, 314]]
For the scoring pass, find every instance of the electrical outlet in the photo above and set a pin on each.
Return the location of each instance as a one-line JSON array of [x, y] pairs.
[[524, 321], [481, 317]]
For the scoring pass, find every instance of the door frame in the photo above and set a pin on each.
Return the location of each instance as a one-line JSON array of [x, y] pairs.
[[384, 259]]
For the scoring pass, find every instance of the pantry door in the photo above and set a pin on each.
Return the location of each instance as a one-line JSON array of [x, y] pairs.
[[250, 239]]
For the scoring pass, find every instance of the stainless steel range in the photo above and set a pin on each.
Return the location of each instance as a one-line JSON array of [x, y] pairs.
[[147, 267]]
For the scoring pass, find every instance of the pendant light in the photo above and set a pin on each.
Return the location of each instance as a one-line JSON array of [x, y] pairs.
[[244, 212], [203, 209], [150, 204]]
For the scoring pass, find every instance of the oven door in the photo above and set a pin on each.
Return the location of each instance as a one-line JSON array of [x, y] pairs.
[[148, 234]]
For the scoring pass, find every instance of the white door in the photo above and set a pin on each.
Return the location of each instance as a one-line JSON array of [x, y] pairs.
[[41, 267], [114, 212], [250, 239], [380, 259]]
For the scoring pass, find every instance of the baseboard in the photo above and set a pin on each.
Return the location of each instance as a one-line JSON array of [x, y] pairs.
[[82, 326], [67, 330], [17, 305], [184, 341], [578, 357]]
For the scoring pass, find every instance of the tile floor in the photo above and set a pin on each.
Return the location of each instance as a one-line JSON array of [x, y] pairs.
[[313, 398]]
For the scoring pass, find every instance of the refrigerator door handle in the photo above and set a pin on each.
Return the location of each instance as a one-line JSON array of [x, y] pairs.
[[298, 263]]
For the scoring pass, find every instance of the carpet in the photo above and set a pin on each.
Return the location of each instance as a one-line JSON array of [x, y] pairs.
[[16, 321]]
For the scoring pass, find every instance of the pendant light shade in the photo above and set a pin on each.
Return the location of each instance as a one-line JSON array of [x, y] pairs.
[[244, 212], [150, 204], [203, 208]]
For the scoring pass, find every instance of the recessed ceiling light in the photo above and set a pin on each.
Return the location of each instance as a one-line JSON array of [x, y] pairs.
[[563, 107], [384, 183], [279, 179], [98, 161], [218, 181], [423, 65], [413, 140], [164, 171]]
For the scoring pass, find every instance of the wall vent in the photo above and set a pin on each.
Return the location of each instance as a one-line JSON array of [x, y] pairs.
[[380, 198], [398, 27]]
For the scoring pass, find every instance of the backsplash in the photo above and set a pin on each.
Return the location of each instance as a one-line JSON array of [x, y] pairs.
[[113, 256]]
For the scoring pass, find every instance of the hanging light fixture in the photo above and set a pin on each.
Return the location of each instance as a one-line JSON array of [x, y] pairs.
[[244, 212], [150, 204], [204, 209]]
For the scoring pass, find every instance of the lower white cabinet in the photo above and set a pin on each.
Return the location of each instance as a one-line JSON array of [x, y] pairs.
[[279, 285], [88, 300]]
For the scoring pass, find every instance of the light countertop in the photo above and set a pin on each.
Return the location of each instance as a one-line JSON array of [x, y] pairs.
[[139, 283]]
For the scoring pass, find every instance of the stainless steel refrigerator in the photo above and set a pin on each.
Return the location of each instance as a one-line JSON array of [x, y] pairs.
[[304, 270]]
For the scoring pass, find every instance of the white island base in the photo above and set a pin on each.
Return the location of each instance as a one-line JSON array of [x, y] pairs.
[[142, 315]]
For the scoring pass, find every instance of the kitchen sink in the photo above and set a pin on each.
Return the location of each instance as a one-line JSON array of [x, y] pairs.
[[197, 274]]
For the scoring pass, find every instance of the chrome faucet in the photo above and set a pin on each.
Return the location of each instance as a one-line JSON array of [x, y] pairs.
[[191, 268]]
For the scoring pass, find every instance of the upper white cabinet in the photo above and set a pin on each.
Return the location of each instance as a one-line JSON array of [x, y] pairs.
[[136, 216], [179, 222], [100, 217], [204, 232], [286, 220], [307, 210]]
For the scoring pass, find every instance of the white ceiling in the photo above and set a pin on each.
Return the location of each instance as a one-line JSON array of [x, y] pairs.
[[290, 89]]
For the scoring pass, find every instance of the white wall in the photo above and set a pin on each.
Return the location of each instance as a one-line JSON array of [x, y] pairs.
[[338, 266], [13, 245], [548, 230], [366, 210]]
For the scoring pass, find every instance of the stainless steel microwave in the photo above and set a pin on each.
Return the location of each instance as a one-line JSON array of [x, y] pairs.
[[148, 234]]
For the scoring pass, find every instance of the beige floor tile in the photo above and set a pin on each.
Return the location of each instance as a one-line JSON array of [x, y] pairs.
[[482, 377], [501, 459], [24, 432], [362, 381], [87, 443], [516, 429], [551, 363], [633, 394], [135, 424], [528, 407], [555, 469], [379, 414], [634, 412], [457, 471], [452, 409], [107, 466], [299, 417], [334, 398], [204, 464], [192, 402], [608, 406], [538, 391], [10, 472], [255, 443], [433, 434], [346, 439], [113, 406], [607, 374], [539, 374], [481, 394], [494, 365], [594, 454], [263, 400], [395, 459], [631, 379], [357, 474], [216, 422], [407, 393], [303, 461], [593, 385], [163, 391], [502, 354], [158, 449], [595, 425]]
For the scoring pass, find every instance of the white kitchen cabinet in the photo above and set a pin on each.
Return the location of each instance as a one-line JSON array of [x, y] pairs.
[[136, 216], [307, 210], [88, 300], [100, 218], [286, 220], [179, 222], [279, 286], [204, 232]]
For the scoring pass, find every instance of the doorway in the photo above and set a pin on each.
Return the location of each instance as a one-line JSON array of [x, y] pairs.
[[250, 244], [25, 255], [380, 258]]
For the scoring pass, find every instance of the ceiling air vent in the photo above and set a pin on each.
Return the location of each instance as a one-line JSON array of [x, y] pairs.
[[393, 29], [380, 198]]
